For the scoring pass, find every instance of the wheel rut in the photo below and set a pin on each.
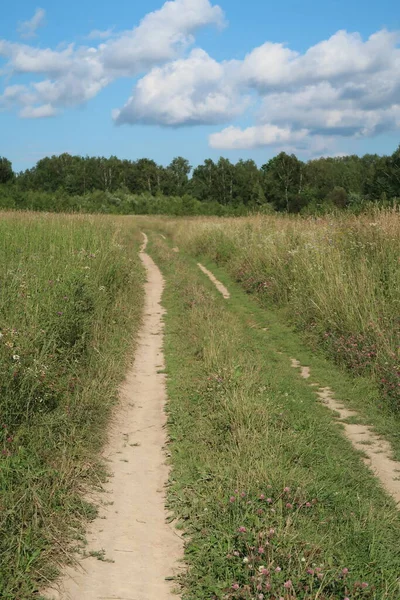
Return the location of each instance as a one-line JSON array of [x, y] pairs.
[[138, 550]]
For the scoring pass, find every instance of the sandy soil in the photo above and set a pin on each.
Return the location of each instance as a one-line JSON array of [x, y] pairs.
[[378, 453], [220, 286], [141, 550]]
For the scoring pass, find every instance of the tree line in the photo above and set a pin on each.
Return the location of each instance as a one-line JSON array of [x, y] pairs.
[[284, 184]]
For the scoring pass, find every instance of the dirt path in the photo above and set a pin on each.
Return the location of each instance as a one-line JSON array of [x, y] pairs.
[[131, 528], [220, 286], [377, 451]]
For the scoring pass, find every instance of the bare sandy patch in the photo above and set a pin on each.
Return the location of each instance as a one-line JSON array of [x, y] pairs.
[[220, 286], [377, 451]]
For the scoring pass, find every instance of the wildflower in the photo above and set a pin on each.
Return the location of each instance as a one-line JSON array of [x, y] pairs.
[[232, 499], [278, 570], [288, 584], [245, 560], [235, 586], [16, 357], [310, 571], [345, 571], [271, 532], [286, 490], [262, 497], [364, 585], [308, 504], [1, 335], [261, 550], [236, 553], [260, 596], [288, 505], [269, 500], [242, 530], [243, 494]]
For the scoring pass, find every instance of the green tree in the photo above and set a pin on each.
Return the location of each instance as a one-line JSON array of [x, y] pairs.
[[6, 171], [283, 177]]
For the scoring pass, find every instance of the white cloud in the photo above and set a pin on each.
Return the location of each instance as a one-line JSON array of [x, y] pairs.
[[27, 29], [160, 36], [100, 34], [234, 138], [342, 86], [38, 112], [73, 75], [183, 92], [343, 56]]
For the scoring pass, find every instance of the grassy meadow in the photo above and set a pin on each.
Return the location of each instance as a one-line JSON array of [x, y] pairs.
[[70, 304], [338, 279]]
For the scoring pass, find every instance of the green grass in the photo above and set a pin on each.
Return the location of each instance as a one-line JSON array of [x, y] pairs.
[[338, 278], [70, 305], [244, 427]]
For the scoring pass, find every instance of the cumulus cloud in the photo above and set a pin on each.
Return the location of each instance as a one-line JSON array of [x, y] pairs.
[[160, 36], [235, 138], [73, 75], [27, 29], [340, 87], [188, 91]]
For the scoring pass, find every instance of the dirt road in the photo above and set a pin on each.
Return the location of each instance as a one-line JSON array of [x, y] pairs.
[[137, 549]]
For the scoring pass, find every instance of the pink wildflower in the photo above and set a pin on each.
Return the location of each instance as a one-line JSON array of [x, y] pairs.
[[235, 586], [242, 530], [288, 584]]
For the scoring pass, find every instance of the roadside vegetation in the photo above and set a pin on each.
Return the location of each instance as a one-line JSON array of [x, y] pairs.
[[273, 501], [337, 281], [70, 305]]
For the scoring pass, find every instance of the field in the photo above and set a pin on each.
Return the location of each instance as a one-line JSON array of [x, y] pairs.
[[338, 278], [70, 301], [270, 495]]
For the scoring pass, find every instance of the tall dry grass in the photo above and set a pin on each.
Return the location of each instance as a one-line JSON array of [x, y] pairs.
[[339, 278]]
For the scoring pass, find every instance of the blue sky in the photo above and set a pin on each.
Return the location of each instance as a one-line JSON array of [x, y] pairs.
[[198, 78]]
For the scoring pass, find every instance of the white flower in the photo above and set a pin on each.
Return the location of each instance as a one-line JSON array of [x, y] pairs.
[[1, 335], [245, 560], [15, 357]]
